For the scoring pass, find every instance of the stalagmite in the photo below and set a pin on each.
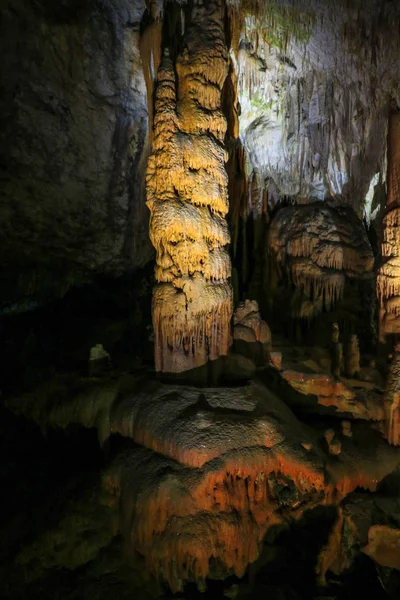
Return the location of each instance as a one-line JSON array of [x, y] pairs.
[[388, 279], [187, 194], [352, 359], [336, 352]]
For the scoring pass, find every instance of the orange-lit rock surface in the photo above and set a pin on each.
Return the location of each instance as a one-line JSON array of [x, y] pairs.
[[187, 194], [307, 370], [214, 468], [317, 248], [331, 392]]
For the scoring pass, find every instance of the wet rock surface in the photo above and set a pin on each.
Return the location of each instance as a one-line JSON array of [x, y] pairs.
[[73, 140], [220, 465]]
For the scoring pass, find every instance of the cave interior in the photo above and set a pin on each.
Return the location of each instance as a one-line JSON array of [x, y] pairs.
[[199, 314]]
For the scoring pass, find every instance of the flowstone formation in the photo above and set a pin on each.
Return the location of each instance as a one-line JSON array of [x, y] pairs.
[[188, 201], [318, 249], [388, 279], [212, 470]]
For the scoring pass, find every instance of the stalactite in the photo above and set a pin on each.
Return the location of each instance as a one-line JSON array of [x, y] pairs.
[[187, 194], [388, 278], [318, 248]]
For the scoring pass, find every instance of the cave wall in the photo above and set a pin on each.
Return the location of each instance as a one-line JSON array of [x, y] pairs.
[[315, 81], [313, 89], [73, 144]]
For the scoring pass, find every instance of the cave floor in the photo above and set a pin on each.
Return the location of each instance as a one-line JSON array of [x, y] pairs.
[[102, 476]]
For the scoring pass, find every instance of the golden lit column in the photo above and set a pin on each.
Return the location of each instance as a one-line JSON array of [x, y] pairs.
[[187, 194], [388, 279]]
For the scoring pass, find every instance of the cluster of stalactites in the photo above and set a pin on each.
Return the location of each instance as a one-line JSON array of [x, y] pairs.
[[388, 278], [187, 194], [318, 249]]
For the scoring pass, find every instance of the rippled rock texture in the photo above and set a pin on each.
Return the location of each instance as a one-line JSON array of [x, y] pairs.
[[187, 187], [212, 470]]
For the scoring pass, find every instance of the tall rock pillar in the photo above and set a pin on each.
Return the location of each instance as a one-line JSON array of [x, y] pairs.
[[388, 280], [187, 194]]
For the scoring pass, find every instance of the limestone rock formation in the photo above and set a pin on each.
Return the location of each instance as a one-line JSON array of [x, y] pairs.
[[214, 470], [99, 360], [336, 352], [306, 76], [72, 145], [318, 248], [388, 279], [368, 524], [352, 359], [383, 546], [248, 325], [187, 198]]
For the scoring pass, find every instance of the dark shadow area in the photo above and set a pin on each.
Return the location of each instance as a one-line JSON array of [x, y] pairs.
[[58, 336]]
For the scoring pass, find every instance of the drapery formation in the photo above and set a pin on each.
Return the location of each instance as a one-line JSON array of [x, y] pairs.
[[187, 194]]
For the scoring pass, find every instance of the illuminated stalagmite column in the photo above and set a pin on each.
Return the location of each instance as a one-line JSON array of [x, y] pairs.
[[188, 199], [388, 280]]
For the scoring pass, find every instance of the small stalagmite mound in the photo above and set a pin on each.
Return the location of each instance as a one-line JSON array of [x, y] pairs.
[[248, 325], [251, 335]]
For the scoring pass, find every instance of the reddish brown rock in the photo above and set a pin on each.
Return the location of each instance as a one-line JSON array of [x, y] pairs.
[[346, 428], [384, 546], [204, 483], [329, 435], [335, 447], [276, 360], [332, 392]]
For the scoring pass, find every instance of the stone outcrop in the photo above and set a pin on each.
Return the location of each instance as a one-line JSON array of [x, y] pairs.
[[336, 394], [318, 248], [248, 325], [214, 469], [352, 358], [187, 198], [306, 76], [72, 145], [368, 524]]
